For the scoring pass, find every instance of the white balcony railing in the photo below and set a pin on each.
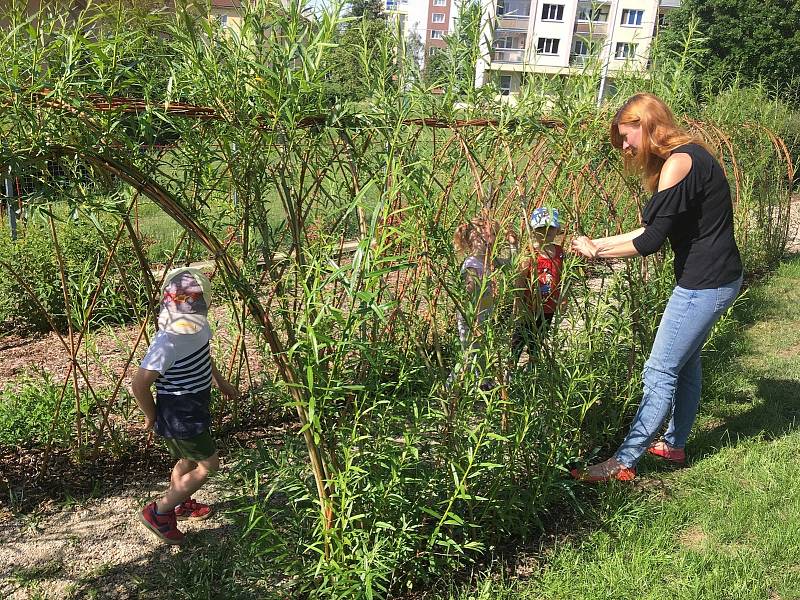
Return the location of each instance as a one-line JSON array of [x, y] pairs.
[[513, 23], [508, 55]]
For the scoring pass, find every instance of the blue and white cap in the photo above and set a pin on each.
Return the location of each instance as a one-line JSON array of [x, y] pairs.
[[545, 217]]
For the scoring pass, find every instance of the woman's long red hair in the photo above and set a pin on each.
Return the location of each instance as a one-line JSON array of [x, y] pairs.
[[660, 135]]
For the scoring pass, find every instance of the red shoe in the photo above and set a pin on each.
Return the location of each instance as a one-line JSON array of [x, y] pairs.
[[676, 456], [624, 474], [162, 526], [192, 511]]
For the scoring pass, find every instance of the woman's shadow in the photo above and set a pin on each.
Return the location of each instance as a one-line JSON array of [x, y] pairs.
[[775, 413], [775, 402]]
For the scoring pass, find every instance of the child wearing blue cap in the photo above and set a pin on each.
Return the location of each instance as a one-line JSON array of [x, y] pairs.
[[539, 283]]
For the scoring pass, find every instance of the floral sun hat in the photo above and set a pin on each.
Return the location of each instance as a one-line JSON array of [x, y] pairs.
[[185, 300]]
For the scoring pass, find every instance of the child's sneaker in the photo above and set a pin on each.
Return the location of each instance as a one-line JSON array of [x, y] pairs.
[[162, 526], [192, 511]]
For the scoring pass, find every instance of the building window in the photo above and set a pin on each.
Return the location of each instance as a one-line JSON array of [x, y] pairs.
[[223, 21], [625, 50], [438, 17], [505, 84], [662, 20], [581, 48], [552, 12], [436, 34], [547, 46], [632, 17], [432, 50], [597, 14], [440, 2]]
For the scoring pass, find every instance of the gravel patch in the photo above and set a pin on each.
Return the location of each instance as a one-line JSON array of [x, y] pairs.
[[99, 548]]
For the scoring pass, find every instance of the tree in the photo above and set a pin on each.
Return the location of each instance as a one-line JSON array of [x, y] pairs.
[[414, 52], [754, 39], [358, 62], [371, 9]]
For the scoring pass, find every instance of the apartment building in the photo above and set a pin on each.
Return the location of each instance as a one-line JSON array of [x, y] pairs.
[[560, 36], [429, 20], [227, 12]]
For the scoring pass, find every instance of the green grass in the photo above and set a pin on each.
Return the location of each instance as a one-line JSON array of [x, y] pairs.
[[724, 527]]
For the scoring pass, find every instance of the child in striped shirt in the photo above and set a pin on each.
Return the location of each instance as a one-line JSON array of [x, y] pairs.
[[179, 363]]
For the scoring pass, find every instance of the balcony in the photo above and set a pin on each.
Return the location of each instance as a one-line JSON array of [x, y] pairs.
[[508, 55], [509, 39], [579, 60], [591, 27], [513, 23]]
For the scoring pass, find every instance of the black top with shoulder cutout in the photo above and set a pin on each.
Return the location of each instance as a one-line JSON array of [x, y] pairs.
[[696, 215]]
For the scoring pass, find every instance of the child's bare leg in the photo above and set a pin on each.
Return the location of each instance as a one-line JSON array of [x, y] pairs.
[[181, 468], [187, 477]]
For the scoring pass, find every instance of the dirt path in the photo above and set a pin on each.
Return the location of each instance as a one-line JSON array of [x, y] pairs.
[[97, 549], [793, 245]]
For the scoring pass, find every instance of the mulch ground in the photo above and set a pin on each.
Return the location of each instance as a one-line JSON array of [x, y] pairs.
[[27, 484]]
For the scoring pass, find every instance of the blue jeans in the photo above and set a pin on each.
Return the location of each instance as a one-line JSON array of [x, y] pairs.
[[673, 374]]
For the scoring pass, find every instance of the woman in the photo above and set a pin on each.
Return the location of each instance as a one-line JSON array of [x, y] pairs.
[[691, 206]]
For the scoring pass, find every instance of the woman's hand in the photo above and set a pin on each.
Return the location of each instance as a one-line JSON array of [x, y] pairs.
[[585, 247]]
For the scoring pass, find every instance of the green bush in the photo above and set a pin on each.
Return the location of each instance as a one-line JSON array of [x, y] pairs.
[[398, 477], [32, 257], [30, 407]]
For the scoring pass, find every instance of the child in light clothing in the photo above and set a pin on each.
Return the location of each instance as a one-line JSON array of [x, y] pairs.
[[539, 283], [476, 239], [179, 363]]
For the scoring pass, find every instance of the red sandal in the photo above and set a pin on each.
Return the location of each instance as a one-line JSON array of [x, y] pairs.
[[676, 456], [191, 510]]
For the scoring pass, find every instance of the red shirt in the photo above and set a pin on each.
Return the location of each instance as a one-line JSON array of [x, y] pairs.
[[547, 281]]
